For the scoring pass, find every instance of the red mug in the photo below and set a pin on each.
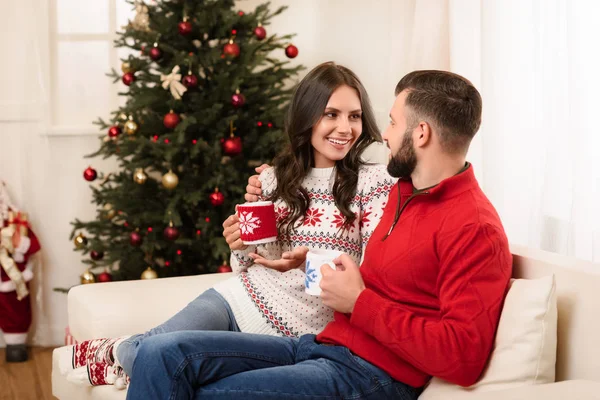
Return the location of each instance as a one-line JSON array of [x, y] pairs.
[[257, 222]]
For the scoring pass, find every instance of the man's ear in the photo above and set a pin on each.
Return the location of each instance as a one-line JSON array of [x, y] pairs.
[[422, 134]]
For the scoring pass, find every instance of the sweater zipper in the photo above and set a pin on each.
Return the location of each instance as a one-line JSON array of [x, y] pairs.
[[398, 213]]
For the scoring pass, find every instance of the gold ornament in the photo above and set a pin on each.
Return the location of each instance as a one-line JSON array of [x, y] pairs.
[[126, 67], [109, 211], [80, 241], [141, 21], [139, 176], [149, 273], [131, 127], [87, 277], [170, 180]]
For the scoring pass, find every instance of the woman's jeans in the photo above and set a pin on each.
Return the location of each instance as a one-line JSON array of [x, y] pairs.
[[230, 365], [208, 312]]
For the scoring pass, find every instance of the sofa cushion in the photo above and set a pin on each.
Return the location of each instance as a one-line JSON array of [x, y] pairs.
[[525, 346]]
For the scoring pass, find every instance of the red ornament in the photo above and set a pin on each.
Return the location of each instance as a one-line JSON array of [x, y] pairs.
[[190, 81], [185, 28], [114, 131], [223, 268], [217, 198], [128, 78], [232, 146], [260, 32], [171, 233], [96, 255], [291, 51], [171, 120], [105, 277], [90, 174], [238, 100], [135, 239], [156, 53], [241, 13], [231, 49]]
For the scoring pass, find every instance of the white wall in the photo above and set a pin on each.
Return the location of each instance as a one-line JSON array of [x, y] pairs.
[[44, 172]]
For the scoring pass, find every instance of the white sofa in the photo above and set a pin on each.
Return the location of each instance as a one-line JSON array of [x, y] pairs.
[[119, 308]]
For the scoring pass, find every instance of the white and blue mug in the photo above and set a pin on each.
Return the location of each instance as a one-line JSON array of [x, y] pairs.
[[314, 260]]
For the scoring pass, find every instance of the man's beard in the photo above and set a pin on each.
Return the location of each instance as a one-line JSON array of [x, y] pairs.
[[404, 162]]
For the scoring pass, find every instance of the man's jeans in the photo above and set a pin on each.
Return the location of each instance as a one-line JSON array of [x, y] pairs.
[[208, 312], [231, 365]]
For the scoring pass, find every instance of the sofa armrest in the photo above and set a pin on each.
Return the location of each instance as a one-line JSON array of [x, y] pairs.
[[572, 390], [121, 308]]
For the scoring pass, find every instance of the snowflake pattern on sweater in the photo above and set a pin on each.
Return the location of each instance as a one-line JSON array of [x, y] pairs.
[[270, 302]]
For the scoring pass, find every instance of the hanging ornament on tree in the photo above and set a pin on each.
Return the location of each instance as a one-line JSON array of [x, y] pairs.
[[135, 239], [238, 99], [291, 51], [80, 241], [128, 78], [109, 211], [155, 52], [170, 180], [260, 32], [173, 83], [171, 233], [185, 27], [87, 277], [190, 81], [232, 146], [114, 131], [97, 255], [216, 198], [126, 67], [149, 273], [139, 176], [131, 127], [90, 174], [231, 49], [223, 268], [141, 21], [171, 120], [105, 276]]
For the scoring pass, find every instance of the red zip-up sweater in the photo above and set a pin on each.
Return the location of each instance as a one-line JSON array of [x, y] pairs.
[[434, 287]]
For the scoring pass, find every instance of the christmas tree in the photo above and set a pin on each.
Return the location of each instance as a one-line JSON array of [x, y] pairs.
[[206, 95]]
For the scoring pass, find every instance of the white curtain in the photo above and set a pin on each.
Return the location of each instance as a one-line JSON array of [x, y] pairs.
[[23, 110], [536, 63]]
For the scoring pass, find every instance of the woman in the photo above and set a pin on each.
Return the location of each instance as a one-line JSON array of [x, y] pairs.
[[326, 197]]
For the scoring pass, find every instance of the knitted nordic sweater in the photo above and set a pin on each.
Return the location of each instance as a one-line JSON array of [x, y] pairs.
[[270, 302]]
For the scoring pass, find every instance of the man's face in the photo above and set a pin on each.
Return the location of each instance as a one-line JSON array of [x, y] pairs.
[[398, 137]]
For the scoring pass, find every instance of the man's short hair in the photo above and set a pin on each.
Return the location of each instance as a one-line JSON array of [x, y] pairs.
[[447, 101]]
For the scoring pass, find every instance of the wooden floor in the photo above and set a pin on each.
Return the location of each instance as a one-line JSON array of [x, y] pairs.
[[29, 380]]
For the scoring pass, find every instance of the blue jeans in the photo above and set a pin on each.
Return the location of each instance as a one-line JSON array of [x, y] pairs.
[[207, 312], [230, 365]]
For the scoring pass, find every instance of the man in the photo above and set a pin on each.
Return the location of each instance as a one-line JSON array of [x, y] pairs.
[[427, 298]]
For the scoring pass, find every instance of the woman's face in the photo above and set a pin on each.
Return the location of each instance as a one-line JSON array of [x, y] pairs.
[[338, 129]]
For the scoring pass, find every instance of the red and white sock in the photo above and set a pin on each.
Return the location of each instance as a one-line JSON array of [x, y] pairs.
[[88, 351]]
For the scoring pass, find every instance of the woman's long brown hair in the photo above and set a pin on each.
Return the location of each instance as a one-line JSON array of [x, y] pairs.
[[293, 163]]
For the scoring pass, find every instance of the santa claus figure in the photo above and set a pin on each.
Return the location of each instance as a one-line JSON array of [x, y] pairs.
[[17, 244]]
